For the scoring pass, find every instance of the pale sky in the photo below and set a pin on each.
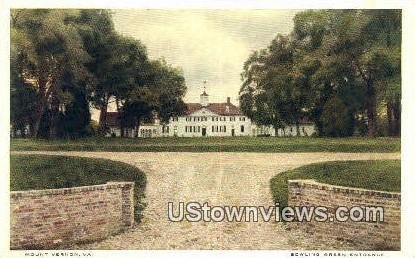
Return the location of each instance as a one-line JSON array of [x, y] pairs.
[[209, 45]]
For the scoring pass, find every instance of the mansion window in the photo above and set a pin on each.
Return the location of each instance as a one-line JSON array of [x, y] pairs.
[[146, 132], [218, 129], [242, 128], [165, 129]]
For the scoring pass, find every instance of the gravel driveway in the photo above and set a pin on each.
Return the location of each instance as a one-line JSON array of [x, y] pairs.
[[219, 179]]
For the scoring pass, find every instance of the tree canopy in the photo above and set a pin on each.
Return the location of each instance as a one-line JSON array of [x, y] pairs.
[[352, 56], [64, 61]]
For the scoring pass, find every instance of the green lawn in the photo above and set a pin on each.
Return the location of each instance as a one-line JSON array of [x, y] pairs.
[[383, 175], [214, 144], [46, 172]]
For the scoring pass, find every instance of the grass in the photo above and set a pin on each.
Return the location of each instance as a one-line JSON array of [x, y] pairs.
[[34, 172], [382, 175], [213, 144]]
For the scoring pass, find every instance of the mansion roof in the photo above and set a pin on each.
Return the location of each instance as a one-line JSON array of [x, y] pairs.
[[222, 109]]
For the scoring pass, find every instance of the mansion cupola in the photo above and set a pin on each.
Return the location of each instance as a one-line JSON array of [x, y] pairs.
[[204, 99]]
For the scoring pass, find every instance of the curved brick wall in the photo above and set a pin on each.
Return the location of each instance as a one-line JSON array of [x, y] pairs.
[[54, 218], [366, 235]]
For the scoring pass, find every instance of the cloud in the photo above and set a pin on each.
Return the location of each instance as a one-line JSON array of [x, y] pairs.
[[208, 45]]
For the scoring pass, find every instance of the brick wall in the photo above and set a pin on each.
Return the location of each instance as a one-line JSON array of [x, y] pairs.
[[55, 218], [365, 235]]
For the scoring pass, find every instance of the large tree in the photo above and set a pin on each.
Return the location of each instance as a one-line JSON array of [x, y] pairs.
[[160, 95], [47, 45], [352, 56], [359, 49], [113, 60], [169, 83], [271, 93], [131, 71], [140, 106], [383, 33], [65, 60]]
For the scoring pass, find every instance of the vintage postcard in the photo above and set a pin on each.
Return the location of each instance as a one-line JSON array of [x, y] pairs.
[[212, 127]]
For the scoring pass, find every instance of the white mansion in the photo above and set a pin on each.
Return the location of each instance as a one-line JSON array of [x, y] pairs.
[[206, 119]]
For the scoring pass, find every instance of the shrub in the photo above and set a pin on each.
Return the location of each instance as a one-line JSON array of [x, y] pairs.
[[35, 172], [381, 175]]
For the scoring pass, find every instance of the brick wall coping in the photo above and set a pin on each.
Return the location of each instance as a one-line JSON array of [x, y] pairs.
[[337, 188], [78, 189]]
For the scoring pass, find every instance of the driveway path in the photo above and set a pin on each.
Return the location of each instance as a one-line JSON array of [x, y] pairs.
[[219, 179]]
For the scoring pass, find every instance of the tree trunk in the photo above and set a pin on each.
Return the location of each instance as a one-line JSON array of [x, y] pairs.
[[370, 101], [275, 129], [36, 125], [103, 117], [396, 111], [393, 113], [40, 106], [54, 118], [371, 109], [30, 129], [40, 110], [121, 124], [390, 119], [137, 126], [297, 127]]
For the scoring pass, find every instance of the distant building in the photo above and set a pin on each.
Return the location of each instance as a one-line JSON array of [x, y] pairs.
[[206, 119]]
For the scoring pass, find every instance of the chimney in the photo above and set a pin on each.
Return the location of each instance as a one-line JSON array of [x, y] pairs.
[[228, 100]]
